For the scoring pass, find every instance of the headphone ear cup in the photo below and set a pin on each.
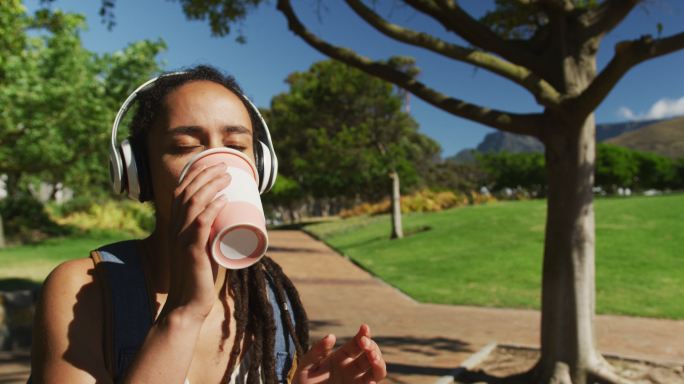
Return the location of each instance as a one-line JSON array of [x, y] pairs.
[[115, 173], [142, 179], [130, 173], [259, 162], [268, 170]]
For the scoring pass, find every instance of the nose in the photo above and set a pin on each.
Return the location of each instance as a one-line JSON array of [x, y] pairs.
[[215, 141]]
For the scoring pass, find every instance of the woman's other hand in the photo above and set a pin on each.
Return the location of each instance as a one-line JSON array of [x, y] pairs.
[[357, 361]]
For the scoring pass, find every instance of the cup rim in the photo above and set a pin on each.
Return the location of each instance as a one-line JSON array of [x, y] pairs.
[[212, 151], [229, 228]]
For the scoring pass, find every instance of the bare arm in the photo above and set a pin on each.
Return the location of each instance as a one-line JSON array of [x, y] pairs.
[[68, 329], [168, 349]]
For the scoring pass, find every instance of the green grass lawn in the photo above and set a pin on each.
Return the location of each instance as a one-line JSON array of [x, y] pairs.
[[492, 255], [31, 263]]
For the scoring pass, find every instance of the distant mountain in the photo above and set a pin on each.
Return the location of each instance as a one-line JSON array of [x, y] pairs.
[[665, 138], [508, 142], [464, 156], [610, 130]]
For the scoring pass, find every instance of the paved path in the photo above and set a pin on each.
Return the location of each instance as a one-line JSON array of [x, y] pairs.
[[422, 342]]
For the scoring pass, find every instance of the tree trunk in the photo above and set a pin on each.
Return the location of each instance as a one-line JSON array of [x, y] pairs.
[[2, 234], [397, 230], [568, 291], [12, 184]]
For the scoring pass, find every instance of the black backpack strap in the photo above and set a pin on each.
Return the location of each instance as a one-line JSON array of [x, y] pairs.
[[128, 313]]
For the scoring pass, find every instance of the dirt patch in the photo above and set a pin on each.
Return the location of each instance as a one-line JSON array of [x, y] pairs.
[[506, 362]]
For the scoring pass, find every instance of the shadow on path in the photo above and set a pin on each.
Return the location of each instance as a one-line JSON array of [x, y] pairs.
[[14, 367], [18, 284], [411, 369], [430, 346], [292, 249], [316, 325]]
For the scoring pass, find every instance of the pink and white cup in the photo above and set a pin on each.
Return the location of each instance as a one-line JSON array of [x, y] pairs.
[[238, 237]]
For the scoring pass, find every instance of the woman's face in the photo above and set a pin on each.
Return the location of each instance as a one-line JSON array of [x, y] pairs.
[[199, 115]]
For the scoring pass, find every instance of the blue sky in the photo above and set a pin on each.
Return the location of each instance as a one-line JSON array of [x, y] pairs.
[[654, 89]]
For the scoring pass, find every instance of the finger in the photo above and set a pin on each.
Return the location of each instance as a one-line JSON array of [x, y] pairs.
[[194, 173], [206, 218], [365, 330], [201, 199], [203, 178], [365, 378], [363, 333], [369, 345], [359, 366], [182, 192], [319, 351], [351, 349], [377, 364]]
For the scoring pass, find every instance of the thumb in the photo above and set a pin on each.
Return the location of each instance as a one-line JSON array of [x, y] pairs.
[[319, 351]]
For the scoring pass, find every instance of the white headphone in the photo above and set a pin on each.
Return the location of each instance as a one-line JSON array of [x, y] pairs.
[[128, 162]]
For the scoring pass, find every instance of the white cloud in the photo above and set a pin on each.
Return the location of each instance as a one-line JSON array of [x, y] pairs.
[[661, 109], [626, 113]]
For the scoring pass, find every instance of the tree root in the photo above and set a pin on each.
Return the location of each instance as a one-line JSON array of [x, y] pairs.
[[603, 373], [561, 374], [600, 372]]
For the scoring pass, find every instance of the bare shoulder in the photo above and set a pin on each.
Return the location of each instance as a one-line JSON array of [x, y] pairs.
[[70, 283], [68, 325], [69, 277]]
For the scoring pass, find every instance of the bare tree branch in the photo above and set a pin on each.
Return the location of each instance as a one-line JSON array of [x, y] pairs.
[[526, 124], [606, 16], [455, 19], [559, 5], [545, 94], [627, 55]]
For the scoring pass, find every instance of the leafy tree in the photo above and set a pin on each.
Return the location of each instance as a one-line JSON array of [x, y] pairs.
[[655, 172], [512, 170], [549, 48], [286, 193], [679, 165], [342, 133], [58, 101], [616, 167]]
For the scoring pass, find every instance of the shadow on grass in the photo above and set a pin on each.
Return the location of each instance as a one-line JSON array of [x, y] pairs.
[[19, 284]]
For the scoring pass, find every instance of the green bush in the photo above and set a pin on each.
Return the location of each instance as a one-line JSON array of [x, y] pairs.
[[77, 204], [421, 201], [25, 220], [656, 171], [511, 170], [124, 215], [616, 167]]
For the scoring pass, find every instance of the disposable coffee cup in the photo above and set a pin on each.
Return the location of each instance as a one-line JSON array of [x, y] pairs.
[[238, 237]]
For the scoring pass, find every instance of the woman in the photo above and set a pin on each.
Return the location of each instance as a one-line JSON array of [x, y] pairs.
[[207, 325]]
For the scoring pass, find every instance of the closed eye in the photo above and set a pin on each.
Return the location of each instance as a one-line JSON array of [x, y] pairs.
[[185, 148], [237, 147]]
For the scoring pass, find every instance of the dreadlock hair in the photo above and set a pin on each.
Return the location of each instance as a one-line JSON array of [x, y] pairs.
[[253, 313], [254, 317]]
